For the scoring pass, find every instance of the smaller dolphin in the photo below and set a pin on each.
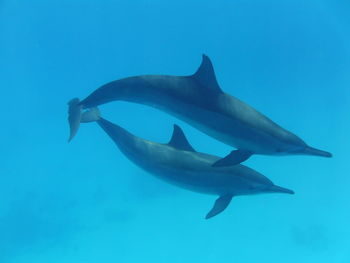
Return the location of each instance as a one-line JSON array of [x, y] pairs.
[[179, 164], [198, 100]]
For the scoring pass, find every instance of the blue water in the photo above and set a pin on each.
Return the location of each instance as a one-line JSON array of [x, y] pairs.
[[85, 202]]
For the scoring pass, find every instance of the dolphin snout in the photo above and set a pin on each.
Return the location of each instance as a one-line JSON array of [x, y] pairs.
[[313, 151], [279, 189]]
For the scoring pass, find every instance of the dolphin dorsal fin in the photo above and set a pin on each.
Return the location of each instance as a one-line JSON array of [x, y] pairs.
[[205, 75], [178, 140]]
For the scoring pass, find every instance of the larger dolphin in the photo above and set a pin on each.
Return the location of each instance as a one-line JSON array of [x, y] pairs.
[[198, 100], [178, 163]]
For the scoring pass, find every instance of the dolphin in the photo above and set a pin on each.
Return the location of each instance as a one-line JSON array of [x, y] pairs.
[[198, 100], [179, 164]]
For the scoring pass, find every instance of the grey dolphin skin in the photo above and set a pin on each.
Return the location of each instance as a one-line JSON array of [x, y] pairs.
[[179, 164], [198, 100]]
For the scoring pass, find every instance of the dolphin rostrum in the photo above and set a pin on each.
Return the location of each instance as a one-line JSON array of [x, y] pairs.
[[179, 164], [198, 100]]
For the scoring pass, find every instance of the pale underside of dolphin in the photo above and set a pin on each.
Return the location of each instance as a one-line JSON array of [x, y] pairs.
[[198, 100], [179, 164]]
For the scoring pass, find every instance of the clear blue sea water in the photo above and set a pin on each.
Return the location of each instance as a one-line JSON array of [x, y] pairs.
[[85, 202]]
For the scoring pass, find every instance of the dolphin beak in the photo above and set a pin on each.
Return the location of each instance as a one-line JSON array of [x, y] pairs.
[[279, 189], [307, 150], [313, 151]]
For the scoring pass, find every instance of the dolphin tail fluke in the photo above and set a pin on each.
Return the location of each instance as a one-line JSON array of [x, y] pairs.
[[74, 117], [91, 115], [220, 205], [313, 151], [279, 189]]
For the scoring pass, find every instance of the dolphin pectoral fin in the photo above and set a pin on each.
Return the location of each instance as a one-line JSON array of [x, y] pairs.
[[220, 205], [74, 117], [235, 157]]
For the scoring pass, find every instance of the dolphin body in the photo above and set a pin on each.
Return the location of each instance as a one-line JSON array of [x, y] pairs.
[[179, 164], [198, 100]]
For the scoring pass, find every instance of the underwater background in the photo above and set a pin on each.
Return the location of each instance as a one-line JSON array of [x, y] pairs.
[[85, 202]]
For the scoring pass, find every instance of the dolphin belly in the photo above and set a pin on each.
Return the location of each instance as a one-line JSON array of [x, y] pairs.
[[185, 168], [167, 168], [199, 181], [223, 128], [188, 170]]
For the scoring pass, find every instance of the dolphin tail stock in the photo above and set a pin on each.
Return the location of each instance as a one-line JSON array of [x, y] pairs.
[[313, 151], [77, 116]]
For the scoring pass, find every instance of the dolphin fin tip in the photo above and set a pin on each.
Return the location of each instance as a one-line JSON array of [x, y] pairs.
[[71, 136]]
